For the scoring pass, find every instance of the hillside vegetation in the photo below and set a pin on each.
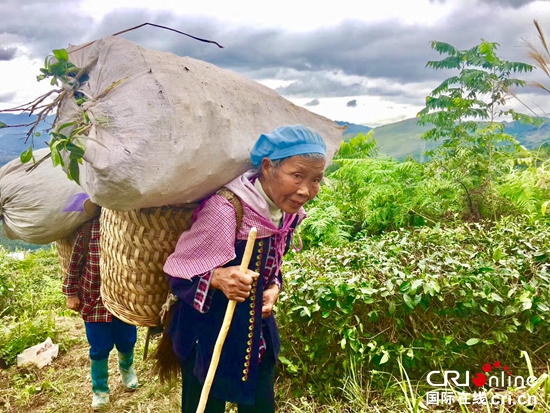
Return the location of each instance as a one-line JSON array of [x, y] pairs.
[[408, 268], [404, 138]]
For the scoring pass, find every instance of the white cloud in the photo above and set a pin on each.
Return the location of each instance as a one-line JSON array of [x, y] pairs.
[[371, 111], [18, 82]]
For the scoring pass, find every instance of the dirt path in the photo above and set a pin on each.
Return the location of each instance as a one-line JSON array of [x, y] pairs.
[[65, 385]]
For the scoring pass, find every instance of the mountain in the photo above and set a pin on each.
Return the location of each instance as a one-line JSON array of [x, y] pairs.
[[401, 139], [529, 136], [12, 140], [398, 140], [353, 129]]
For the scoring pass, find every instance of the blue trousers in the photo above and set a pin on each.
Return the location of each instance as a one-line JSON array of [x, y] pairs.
[[104, 336]]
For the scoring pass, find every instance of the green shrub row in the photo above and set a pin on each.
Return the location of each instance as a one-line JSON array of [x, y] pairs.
[[434, 298]]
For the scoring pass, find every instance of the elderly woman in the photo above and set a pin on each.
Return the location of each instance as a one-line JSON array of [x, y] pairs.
[[204, 272]]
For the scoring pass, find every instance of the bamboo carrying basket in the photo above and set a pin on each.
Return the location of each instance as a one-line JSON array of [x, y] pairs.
[[134, 246], [65, 250]]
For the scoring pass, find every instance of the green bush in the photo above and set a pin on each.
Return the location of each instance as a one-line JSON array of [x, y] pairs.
[[526, 185], [31, 284], [372, 195], [30, 297], [432, 297], [368, 196]]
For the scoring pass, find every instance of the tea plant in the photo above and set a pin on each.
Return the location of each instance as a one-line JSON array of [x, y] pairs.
[[450, 297]]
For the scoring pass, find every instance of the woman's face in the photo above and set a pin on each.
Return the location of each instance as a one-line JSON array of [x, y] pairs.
[[294, 182]]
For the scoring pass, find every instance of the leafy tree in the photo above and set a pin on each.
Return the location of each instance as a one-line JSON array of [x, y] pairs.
[[472, 152], [360, 146], [477, 172]]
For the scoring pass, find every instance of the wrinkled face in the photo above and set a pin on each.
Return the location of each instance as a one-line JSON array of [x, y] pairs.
[[294, 182]]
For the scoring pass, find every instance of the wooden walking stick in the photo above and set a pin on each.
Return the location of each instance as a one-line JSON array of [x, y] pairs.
[[225, 326]]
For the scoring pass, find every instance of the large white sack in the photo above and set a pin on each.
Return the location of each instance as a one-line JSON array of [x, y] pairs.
[[173, 129], [32, 202]]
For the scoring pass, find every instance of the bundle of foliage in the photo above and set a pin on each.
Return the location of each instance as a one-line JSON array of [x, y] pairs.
[[432, 298], [526, 185], [30, 295], [369, 195], [372, 195]]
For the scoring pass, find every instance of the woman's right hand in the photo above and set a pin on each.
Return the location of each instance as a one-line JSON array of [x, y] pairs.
[[234, 284], [73, 303]]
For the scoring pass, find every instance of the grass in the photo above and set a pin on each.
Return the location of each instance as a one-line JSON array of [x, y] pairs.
[[401, 139], [65, 385]]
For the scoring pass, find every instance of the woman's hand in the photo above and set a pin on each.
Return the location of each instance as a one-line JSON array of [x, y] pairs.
[[234, 284], [73, 303], [271, 295]]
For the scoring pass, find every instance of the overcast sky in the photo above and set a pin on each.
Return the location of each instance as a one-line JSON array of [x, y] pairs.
[[356, 61]]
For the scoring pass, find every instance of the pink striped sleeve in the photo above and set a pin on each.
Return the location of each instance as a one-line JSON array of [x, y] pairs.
[[208, 244]]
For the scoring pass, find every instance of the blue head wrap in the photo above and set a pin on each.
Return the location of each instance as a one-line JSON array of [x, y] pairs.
[[287, 141]]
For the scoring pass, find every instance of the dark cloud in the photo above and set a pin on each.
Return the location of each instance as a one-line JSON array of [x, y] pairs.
[[312, 83], [386, 53], [43, 25], [352, 103], [314, 61], [7, 53], [398, 94], [515, 4], [391, 50], [314, 102], [320, 63]]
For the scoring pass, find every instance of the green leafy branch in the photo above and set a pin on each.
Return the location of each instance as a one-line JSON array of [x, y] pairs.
[[68, 137], [58, 68]]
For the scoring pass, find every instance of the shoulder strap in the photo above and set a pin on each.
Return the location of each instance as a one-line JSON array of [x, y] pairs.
[[237, 205]]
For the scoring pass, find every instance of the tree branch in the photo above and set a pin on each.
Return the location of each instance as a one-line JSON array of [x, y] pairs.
[[154, 25]]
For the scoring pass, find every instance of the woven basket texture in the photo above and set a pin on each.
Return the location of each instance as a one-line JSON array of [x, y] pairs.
[[134, 246], [65, 251]]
